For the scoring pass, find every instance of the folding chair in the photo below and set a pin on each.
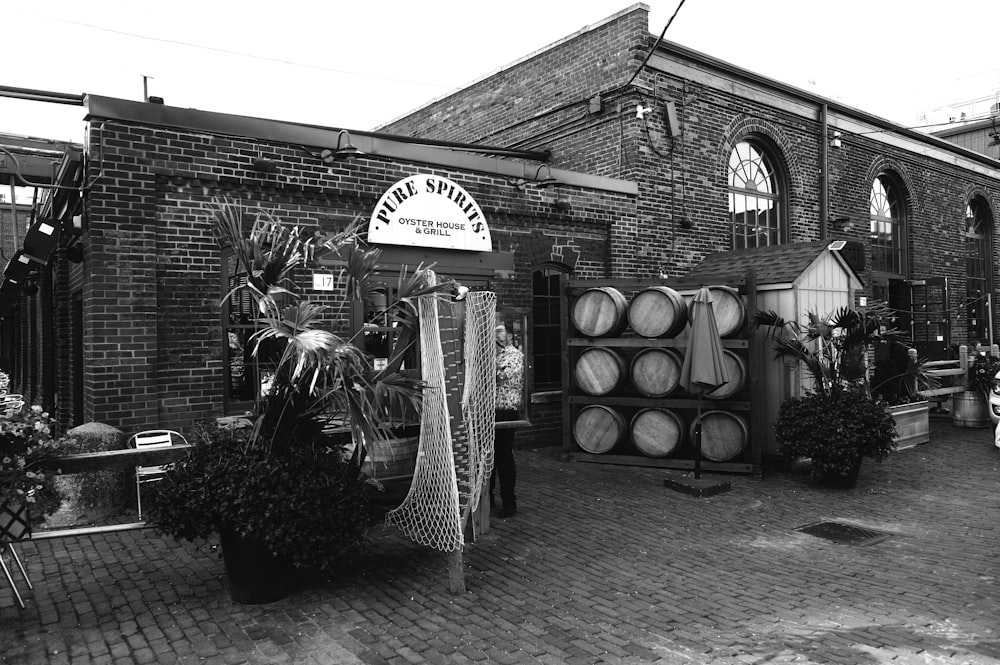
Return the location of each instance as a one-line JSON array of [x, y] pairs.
[[154, 438], [14, 526], [11, 403]]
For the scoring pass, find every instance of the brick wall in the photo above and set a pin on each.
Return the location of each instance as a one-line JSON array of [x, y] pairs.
[[570, 99], [151, 283], [682, 211]]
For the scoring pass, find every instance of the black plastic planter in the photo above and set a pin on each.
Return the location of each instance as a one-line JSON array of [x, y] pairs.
[[255, 575]]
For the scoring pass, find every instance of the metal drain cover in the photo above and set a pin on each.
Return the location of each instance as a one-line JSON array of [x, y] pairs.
[[841, 532]]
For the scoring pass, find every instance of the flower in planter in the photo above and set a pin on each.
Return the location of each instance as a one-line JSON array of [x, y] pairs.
[[982, 370], [27, 439]]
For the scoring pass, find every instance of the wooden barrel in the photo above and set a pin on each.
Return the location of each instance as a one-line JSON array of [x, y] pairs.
[[656, 372], [724, 435], [657, 432], [599, 371], [393, 458], [969, 409], [600, 312], [657, 311], [730, 312], [598, 428], [737, 368]]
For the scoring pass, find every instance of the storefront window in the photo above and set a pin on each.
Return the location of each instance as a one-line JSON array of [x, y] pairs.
[[545, 331], [513, 349], [246, 374]]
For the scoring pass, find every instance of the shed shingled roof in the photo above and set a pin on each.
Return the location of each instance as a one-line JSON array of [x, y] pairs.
[[775, 264]]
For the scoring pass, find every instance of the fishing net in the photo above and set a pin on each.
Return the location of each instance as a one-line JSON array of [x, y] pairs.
[[455, 453]]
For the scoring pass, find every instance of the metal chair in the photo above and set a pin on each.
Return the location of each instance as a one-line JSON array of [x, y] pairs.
[[14, 526], [11, 403], [149, 439]]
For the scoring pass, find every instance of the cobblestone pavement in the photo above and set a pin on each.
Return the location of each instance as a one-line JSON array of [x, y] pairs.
[[602, 564]]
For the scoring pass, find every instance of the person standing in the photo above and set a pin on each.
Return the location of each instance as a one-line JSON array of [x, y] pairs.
[[510, 392]]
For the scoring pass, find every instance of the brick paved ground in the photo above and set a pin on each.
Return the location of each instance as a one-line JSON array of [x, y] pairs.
[[602, 565]]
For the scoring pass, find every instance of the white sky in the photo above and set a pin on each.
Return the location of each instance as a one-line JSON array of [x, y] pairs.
[[359, 64]]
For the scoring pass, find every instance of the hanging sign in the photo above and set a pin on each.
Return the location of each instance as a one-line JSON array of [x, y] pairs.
[[429, 211]]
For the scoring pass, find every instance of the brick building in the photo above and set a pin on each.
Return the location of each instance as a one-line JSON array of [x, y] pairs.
[[129, 330], [655, 162], [725, 158]]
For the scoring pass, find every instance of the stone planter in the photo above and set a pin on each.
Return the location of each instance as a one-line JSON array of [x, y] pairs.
[[913, 424]]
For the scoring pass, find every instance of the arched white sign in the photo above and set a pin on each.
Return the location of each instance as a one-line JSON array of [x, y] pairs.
[[429, 211]]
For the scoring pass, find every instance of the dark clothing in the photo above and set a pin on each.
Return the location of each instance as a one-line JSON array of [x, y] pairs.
[[504, 470]]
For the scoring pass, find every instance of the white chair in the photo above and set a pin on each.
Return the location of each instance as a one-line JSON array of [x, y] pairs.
[[147, 440], [11, 403]]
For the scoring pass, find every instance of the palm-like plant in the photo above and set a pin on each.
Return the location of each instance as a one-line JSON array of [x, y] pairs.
[[831, 347], [320, 375]]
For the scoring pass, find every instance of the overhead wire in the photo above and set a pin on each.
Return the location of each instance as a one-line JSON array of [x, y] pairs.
[[244, 54]]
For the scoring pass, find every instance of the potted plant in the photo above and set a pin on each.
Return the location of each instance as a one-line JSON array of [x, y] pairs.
[[28, 490], [835, 430], [971, 408], [900, 378], [839, 422], [285, 488]]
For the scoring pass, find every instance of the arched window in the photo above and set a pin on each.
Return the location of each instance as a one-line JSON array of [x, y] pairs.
[[755, 199], [546, 337], [888, 231], [978, 269]]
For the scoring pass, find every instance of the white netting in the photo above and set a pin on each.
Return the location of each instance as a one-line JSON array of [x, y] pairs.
[[480, 394], [456, 445]]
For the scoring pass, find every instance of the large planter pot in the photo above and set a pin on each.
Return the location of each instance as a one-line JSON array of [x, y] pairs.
[[839, 481], [913, 424], [970, 409], [255, 575]]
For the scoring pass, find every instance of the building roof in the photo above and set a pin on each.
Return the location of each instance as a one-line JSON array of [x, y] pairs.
[[775, 264]]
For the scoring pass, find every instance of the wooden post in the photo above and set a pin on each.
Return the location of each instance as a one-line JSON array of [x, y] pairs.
[[450, 318]]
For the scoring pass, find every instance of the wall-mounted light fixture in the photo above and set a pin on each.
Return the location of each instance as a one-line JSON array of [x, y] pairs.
[[538, 180], [345, 149], [835, 142], [41, 238], [840, 223], [74, 252], [262, 165]]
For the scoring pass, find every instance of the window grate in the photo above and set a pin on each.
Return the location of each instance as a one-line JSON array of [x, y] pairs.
[[842, 532]]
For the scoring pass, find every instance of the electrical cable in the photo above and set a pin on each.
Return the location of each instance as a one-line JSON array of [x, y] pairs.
[[659, 39]]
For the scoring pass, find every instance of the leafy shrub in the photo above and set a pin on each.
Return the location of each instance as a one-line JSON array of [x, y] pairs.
[[835, 429], [307, 503]]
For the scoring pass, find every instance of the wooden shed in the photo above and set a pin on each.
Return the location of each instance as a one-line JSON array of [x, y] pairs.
[[791, 280]]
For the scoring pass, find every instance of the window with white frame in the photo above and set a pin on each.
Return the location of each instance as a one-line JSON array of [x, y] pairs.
[[755, 197]]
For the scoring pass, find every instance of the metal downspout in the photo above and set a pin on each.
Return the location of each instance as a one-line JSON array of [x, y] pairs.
[[824, 178]]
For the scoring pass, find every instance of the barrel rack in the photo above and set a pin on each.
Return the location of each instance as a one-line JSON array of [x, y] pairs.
[[629, 400]]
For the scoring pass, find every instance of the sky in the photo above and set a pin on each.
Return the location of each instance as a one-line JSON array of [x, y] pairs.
[[358, 65]]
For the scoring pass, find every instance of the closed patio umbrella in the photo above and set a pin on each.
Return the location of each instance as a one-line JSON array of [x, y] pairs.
[[704, 367]]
